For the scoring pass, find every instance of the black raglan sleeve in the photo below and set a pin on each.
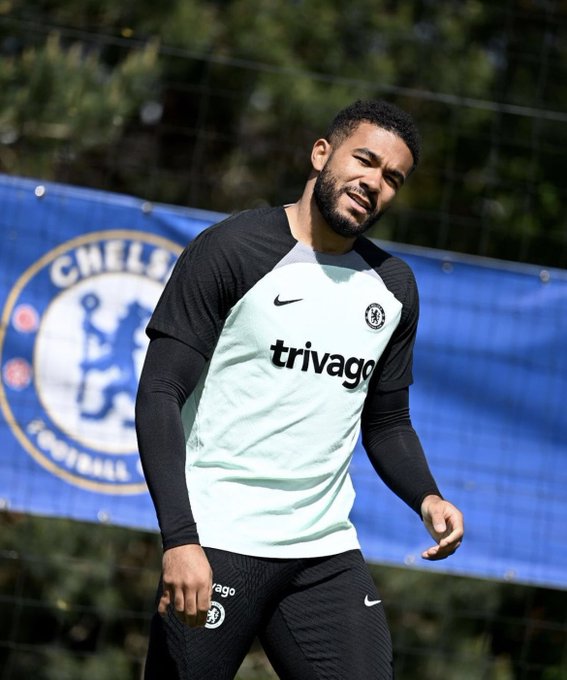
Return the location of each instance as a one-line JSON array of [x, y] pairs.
[[395, 367], [394, 449], [214, 271], [170, 373], [200, 292], [183, 331], [388, 435]]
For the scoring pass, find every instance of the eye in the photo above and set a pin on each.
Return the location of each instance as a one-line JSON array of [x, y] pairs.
[[363, 161], [393, 181]]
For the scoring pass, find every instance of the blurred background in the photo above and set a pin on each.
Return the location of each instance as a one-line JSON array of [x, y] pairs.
[[214, 106]]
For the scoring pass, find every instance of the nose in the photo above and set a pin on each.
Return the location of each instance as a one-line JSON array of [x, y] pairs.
[[372, 180]]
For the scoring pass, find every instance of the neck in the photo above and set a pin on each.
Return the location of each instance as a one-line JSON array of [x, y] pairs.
[[308, 226]]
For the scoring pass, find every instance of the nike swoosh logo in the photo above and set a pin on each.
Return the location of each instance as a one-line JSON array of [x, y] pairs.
[[371, 603], [280, 303]]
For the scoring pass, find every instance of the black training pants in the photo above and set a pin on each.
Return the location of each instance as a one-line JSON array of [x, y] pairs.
[[317, 619]]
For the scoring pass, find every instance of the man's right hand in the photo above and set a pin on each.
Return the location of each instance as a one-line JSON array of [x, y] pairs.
[[187, 584]]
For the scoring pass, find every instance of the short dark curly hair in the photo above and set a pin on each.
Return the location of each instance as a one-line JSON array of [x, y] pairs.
[[380, 113]]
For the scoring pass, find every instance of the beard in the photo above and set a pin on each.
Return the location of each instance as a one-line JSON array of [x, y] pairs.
[[326, 194]]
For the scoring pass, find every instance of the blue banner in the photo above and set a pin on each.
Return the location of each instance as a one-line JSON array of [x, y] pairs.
[[80, 272], [489, 404]]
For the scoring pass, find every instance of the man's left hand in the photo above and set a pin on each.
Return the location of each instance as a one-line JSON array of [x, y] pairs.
[[445, 523]]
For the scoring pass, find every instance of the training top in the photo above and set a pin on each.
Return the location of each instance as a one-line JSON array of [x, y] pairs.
[[292, 337]]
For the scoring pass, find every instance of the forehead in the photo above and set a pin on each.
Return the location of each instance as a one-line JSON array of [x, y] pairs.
[[383, 143]]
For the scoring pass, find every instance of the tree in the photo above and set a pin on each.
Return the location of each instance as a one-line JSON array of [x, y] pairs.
[[216, 104], [77, 598]]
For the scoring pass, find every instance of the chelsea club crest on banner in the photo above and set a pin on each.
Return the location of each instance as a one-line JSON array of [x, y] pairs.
[[72, 344]]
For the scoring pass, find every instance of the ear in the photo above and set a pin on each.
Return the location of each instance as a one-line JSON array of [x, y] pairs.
[[320, 154]]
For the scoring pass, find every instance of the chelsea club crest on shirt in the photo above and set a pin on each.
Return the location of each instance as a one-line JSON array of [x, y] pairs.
[[72, 344]]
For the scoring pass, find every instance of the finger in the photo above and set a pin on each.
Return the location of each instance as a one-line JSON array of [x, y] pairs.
[[446, 545], [205, 602], [438, 521], [455, 528], [190, 611], [433, 554], [446, 550], [438, 552], [454, 537], [430, 552], [197, 609], [164, 601], [202, 610], [180, 603]]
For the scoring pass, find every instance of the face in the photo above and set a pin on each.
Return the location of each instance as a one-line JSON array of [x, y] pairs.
[[359, 178]]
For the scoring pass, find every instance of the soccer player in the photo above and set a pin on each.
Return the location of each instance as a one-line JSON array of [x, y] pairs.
[[282, 334]]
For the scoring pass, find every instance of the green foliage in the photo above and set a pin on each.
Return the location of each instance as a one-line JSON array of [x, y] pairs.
[[76, 600], [57, 94], [238, 91], [65, 94], [456, 628], [110, 664]]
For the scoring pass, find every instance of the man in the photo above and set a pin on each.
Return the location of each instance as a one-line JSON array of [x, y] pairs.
[[281, 335]]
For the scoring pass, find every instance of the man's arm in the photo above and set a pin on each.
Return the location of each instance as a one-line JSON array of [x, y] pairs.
[[171, 372], [397, 456]]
